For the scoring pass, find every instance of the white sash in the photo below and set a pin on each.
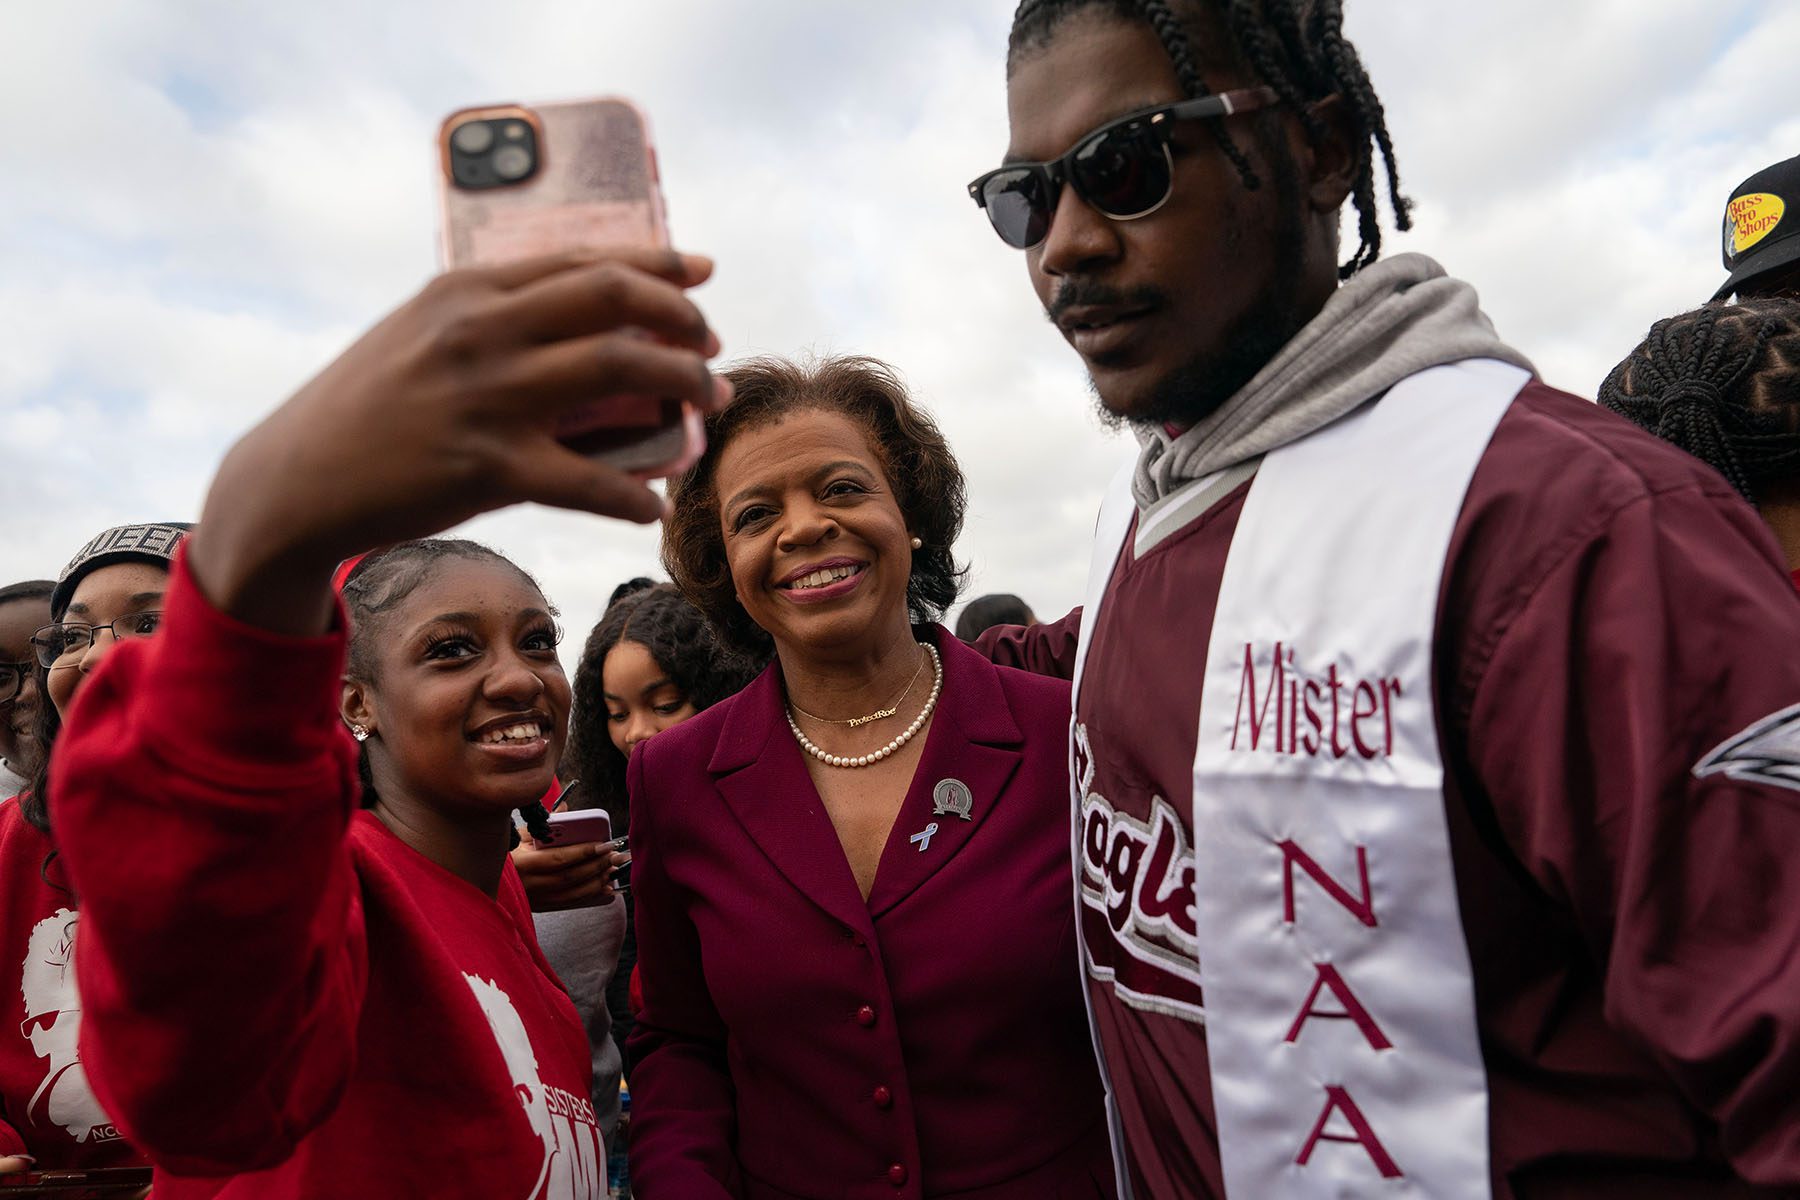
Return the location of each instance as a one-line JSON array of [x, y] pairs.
[[1338, 556], [1340, 1005]]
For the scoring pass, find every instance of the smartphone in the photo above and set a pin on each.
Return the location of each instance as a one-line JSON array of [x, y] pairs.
[[574, 828], [519, 181], [72, 1185]]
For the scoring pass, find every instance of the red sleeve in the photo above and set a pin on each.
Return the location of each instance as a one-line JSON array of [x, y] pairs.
[[12, 1145], [683, 1104], [1645, 647], [1042, 649], [202, 789]]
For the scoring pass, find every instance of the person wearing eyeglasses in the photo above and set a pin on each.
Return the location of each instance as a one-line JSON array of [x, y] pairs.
[[112, 589], [24, 608], [1435, 778]]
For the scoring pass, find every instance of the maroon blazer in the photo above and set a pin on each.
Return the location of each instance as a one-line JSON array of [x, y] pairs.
[[796, 1041]]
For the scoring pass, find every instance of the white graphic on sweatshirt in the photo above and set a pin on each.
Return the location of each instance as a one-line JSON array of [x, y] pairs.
[[53, 1026], [573, 1167]]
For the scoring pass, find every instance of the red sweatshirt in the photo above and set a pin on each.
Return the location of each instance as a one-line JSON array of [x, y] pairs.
[[281, 998], [47, 1110]]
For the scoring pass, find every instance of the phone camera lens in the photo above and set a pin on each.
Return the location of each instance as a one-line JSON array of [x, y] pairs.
[[514, 131], [512, 162], [473, 138]]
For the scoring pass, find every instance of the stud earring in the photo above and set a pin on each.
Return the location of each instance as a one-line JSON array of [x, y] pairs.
[[360, 733], [917, 544]]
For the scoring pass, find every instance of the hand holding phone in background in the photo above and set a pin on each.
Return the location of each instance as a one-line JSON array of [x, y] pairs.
[[579, 866], [518, 182], [579, 875]]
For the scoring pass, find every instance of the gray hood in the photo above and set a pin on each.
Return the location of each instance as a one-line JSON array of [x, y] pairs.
[[1392, 319]]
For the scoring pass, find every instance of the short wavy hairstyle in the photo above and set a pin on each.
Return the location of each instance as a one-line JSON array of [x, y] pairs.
[[662, 621], [927, 482]]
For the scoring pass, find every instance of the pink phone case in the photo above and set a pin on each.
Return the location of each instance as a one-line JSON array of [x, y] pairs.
[[595, 184], [575, 828]]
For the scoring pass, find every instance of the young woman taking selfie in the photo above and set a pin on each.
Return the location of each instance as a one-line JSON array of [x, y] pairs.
[[286, 994]]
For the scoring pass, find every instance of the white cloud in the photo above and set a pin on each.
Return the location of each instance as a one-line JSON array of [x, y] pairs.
[[209, 199]]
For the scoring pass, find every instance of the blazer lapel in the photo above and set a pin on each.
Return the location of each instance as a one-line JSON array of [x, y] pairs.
[[758, 770], [974, 742]]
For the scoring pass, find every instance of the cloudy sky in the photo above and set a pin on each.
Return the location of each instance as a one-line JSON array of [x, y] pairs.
[[204, 201]]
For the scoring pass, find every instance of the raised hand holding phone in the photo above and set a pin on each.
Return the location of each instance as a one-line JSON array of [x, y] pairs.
[[448, 408], [518, 182]]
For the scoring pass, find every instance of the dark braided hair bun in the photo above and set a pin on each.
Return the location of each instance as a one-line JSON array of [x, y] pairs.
[[662, 621], [1723, 383]]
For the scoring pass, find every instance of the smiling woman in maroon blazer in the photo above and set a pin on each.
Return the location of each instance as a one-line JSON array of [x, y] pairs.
[[854, 891]]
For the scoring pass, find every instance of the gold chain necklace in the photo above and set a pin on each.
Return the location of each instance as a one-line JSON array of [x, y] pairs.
[[879, 714], [870, 759]]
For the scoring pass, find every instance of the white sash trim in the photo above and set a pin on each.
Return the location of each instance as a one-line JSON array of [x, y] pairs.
[[1340, 1004], [1116, 511], [1117, 508]]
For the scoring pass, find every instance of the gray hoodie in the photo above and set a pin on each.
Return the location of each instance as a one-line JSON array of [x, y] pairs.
[[1391, 320]]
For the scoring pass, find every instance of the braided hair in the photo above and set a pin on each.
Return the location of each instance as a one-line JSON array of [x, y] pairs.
[[1723, 383], [665, 623], [379, 584], [1297, 47]]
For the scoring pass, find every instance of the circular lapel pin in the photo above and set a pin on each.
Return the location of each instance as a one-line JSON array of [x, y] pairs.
[[952, 797]]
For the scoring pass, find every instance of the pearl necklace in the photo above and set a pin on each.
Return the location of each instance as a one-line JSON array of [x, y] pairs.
[[875, 756]]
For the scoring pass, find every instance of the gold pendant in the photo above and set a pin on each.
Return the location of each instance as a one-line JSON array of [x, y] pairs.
[[853, 722]]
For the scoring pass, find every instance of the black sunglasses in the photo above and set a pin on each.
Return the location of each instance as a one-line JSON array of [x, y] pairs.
[[1122, 169]]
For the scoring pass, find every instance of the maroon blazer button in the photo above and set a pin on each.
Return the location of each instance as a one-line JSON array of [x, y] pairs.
[[865, 1016], [897, 1175], [882, 1097]]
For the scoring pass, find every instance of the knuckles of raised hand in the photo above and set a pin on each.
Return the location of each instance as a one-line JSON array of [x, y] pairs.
[[460, 339]]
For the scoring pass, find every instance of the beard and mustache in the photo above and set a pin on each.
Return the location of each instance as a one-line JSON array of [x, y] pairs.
[[1201, 383]]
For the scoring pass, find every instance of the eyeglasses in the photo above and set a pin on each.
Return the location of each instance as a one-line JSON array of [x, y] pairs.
[[1123, 169], [55, 643], [12, 680]]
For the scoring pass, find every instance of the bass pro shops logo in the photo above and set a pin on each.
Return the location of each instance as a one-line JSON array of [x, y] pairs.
[[1766, 752]]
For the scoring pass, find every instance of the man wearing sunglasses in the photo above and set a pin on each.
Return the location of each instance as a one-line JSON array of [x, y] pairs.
[[1435, 784]]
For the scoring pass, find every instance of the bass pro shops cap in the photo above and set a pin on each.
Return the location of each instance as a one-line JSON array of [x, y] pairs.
[[1762, 226]]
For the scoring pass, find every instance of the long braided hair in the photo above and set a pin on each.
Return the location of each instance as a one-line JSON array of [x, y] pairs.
[[380, 583], [1297, 47], [1723, 383]]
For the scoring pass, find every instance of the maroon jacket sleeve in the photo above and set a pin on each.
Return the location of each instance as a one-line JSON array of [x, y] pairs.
[[1042, 649], [202, 789], [684, 1107], [1665, 631]]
